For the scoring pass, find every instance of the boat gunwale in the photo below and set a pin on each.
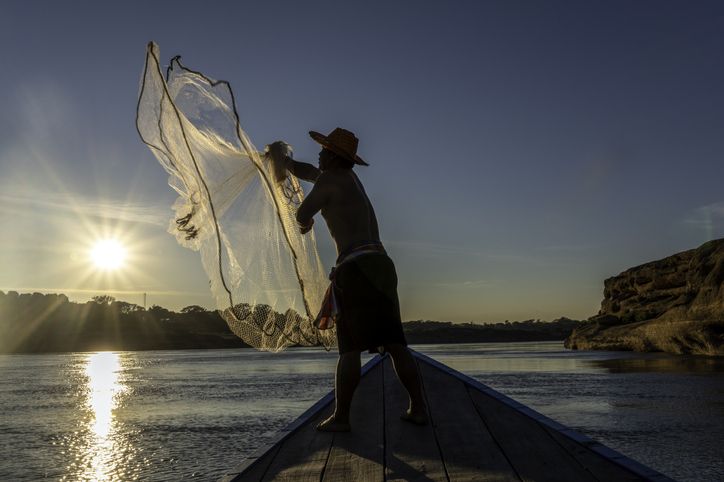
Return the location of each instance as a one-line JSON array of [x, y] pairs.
[[607, 453], [614, 457], [250, 462]]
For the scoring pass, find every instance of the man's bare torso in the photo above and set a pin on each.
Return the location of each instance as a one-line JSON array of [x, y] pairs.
[[349, 215]]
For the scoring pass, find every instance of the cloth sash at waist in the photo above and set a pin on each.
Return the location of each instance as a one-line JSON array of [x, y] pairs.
[[329, 313]]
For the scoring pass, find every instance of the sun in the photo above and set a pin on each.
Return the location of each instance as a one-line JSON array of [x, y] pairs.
[[108, 254]]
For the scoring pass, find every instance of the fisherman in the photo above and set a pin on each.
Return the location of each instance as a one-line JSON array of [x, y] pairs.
[[362, 300]]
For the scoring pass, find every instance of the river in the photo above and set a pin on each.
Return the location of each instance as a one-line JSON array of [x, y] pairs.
[[173, 415]]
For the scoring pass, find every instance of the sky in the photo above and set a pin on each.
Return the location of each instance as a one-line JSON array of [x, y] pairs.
[[520, 152]]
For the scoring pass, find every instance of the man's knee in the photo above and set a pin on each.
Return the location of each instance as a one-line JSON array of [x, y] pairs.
[[396, 349]]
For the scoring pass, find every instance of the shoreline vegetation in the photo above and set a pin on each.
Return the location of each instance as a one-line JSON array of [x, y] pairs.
[[47, 323]]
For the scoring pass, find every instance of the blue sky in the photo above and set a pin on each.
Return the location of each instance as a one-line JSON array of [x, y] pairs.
[[521, 152]]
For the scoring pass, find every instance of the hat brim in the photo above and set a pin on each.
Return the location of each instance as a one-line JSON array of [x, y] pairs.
[[324, 141]]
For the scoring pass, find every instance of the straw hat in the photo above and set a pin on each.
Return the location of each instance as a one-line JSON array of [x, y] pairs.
[[342, 142]]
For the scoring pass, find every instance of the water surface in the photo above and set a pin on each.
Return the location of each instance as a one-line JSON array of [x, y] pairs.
[[174, 415]]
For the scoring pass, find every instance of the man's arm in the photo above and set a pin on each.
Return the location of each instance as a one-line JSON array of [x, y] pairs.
[[312, 204], [303, 170]]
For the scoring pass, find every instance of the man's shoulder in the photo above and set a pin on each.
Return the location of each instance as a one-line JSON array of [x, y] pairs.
[[332, 177], [324, 180]]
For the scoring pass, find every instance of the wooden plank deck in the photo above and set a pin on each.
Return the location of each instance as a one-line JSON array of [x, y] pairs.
[[475, 434]]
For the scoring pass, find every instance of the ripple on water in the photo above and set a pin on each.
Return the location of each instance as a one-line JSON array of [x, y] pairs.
[[178, 414]]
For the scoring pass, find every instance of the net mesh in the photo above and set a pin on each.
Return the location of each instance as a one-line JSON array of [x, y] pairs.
[[233, 207]]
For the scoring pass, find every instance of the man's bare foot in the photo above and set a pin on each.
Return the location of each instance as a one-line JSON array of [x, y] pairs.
[[416, 417], [333, 425]]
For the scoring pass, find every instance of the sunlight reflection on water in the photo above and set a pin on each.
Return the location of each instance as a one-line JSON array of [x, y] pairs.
[[103, 393], [102, 370]]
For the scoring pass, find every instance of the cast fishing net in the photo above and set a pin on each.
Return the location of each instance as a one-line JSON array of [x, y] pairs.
[[235, 207]]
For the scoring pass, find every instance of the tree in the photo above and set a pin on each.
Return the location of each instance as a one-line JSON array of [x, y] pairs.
[[103, 299], [193, 309], [160, 313], [126, 308]]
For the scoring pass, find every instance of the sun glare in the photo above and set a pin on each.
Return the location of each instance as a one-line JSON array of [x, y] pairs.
[[108, 254]]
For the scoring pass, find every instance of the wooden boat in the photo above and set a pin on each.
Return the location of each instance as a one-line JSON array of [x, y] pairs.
[[476, 433]]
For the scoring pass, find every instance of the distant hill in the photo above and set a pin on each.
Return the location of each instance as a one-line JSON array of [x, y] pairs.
[[40, 323]]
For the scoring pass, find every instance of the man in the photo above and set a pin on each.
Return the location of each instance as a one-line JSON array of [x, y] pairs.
[[364, 282]]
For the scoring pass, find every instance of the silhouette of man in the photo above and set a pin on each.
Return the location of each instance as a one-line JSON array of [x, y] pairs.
[[364, 281]]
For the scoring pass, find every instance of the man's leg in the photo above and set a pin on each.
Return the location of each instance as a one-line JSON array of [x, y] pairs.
[[407, 372], [347, 379]]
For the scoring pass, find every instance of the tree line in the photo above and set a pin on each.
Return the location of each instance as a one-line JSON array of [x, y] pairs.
[[38, 323], [33, 323]]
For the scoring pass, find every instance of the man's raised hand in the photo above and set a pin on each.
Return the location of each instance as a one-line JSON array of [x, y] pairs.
[[305, 228]]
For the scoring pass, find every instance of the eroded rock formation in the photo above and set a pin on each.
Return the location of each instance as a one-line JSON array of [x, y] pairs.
[[675, 304]]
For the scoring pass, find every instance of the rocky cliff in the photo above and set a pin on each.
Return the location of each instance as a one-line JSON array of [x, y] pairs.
[[675, 304]]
